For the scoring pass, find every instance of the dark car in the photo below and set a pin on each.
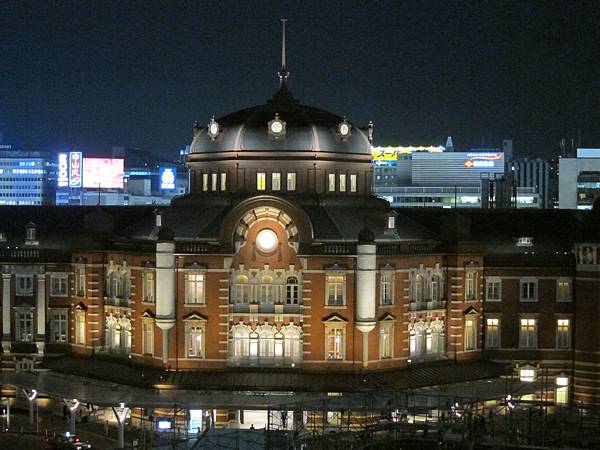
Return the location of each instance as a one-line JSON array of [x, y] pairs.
[[68, 441]]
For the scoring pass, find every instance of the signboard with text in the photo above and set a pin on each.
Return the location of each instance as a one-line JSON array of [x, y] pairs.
[[167, 176], [75, 169], [63, 170]]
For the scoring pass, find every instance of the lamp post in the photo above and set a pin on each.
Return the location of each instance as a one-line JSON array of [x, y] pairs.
[[121, 414], [72, 405], [31, 396]]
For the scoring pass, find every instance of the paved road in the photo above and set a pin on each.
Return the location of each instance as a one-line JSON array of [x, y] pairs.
[[16, 441]]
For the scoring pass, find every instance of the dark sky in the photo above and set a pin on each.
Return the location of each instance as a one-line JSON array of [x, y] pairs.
[[99, 73]]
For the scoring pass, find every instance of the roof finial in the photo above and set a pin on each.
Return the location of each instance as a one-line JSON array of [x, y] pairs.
[[283, 73]]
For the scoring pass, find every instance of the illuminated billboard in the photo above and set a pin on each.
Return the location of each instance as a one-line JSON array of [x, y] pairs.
[[75, 169], [455, 168], [167, 176], [103, 173], [63, 170], [388, 156], [483, 159]]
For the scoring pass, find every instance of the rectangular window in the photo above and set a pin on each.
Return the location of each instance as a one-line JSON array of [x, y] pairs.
[[213, 182], [79, 327], [80, 281], [563, 333], [223, 181], [58, 285], [342, 180], [261, 181], [335, 343], [492, 332], [194, 288], [148, 286], [59, 326], [387, 288], [386, 337], [335, 290], [147, 337], [331, 182], [276, 181], [24, 285], [24, 327], [528, 290], [528, 333], [194, 338], [291, 181], [470, 286], [205, 182], [563, 290], [352, 182], [562, 390], [493, 290], [470, 334]]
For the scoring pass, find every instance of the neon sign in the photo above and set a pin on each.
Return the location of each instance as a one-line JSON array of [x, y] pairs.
[[63, 170]]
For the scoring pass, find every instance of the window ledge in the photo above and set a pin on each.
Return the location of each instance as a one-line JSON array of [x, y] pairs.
[[336, 307], [194, 304], [143, 302]]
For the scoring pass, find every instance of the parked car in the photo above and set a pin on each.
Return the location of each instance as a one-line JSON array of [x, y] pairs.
[[68, 441]]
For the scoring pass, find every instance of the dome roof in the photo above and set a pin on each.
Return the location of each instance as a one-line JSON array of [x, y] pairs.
[[306, 129]]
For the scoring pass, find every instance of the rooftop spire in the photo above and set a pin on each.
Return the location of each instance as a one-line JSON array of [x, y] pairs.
[[283, 73]]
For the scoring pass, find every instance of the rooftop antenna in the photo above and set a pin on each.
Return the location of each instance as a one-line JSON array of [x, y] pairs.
[[283, 73]]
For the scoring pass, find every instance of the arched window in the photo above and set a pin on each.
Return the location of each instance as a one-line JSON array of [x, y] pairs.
[[112, 284], [266, 340], [416, 339], [436, 329], [418, 288], [125, 337], [436, 288], [292, 296], [292, 347], [240, 292], [240, 341], [266, 291], [124, 286]]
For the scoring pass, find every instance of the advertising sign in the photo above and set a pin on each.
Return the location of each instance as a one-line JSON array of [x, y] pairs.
[[482, 159], [103, 173], [63, 170], [167, 175], [75, 169]]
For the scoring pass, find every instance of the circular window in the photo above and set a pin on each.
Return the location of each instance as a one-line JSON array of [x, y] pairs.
[[276, 127], [266, 240]]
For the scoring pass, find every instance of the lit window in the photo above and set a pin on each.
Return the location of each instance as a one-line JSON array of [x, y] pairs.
[[240, 290], [79, 327], [528, 333], [471, 285], [213, 182], [147, 336], [435, 289], [276, 181], [331, 182], [194, 288], [334, 343], [386, 338], [335, 290], [352, 182], [562, 390], [391, 222], [493, 293], [492, 332], [58, 285], [148, 286], [223, 181], [415, 340], [291, 181], [563, 333], [194, 338], [528, 290], [563, 290], [527, 375], [205, 182], [470, 334], [342, 180], [387, 288], [59, 326], [261, 183], [417, 288]]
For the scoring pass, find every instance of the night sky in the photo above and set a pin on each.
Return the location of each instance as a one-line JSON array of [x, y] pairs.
[[96, 74]]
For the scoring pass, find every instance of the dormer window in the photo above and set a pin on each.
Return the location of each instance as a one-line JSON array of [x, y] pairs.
[[525, 241], [31, 234], [391, 222], [2, 237], [158, 219]]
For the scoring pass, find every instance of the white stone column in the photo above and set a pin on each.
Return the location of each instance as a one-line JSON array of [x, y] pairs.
[[366, 271], [6, 312], [40, 311], [165, 292]]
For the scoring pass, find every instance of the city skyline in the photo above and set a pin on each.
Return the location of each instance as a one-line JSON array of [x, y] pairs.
[[99, 75]]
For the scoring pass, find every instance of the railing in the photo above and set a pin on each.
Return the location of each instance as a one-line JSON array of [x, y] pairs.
[[397, 249], [339, 249], [117, 301], [191, 247], [427, 305]]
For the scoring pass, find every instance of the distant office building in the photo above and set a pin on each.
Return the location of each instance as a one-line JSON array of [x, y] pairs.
[[432, 177], [86, 180], [26, 177], [533, 173], [579, 179]]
